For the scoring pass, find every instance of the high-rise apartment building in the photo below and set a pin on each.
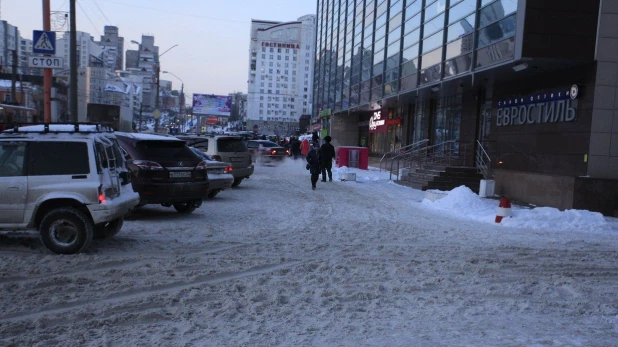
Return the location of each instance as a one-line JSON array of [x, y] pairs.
[[524, 91], [87, 51], [143, 61], [280, 74], [113, 46]]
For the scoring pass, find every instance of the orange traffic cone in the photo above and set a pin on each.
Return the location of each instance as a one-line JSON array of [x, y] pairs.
[[504, 209]]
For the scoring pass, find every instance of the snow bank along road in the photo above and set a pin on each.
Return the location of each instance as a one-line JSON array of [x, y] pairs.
[[274, 263]]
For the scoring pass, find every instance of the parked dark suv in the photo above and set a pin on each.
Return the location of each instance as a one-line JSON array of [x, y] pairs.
[[165, 171]]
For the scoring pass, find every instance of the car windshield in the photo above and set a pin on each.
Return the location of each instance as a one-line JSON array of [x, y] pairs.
[[231, 145], [165, 149]]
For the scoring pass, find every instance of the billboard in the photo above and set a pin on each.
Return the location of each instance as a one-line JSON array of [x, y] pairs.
[[214, 105]]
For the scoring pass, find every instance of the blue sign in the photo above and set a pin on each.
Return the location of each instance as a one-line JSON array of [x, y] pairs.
[[190, 124], [44, 42]]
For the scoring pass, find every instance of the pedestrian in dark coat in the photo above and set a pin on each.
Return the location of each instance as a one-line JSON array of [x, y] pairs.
[[313, 163], [295, 147], [327, 154]]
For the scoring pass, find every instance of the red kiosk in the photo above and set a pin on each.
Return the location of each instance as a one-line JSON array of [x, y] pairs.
[[353, 157]]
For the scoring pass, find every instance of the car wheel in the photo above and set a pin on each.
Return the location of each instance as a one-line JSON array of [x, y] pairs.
[[109, 229], [185, 207], [66, 230], [213, 193], [236, 182]]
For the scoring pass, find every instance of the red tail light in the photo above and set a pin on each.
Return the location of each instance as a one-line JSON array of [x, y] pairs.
[[148, 165], [228, 169], [201, 166], [101, 195], [273, 152]]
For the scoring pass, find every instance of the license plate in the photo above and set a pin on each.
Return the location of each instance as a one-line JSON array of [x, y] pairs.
[[216, 171], [236, 160], [180, 174]]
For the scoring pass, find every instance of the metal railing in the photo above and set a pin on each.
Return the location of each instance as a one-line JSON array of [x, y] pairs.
[[445, 153], [483, 161], [399, 151]]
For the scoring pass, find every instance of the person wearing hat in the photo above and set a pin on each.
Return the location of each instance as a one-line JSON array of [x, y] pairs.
[[327, 154], [313, 164]]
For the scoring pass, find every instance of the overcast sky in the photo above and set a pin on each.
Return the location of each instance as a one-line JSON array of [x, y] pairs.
[[212, 35]]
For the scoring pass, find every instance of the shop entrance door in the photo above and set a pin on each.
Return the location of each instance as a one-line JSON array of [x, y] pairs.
[[446, 121]]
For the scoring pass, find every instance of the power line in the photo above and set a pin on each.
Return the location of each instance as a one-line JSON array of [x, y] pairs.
[[86, 14], [177, 13], [100, 10]]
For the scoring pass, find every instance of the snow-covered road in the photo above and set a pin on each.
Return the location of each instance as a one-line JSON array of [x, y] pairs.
[[273, 263]]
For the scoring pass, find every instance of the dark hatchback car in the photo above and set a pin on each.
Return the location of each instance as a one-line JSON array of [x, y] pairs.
[[165, 171], [266, 151]]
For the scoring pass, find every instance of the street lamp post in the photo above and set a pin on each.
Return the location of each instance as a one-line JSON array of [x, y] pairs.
[[182, 94], [158, 86]]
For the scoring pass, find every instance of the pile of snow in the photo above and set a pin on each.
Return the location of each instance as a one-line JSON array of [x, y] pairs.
[[371, 175], [464, 203]]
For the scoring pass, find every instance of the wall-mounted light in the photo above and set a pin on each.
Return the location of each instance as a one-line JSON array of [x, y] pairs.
[[520, 67]]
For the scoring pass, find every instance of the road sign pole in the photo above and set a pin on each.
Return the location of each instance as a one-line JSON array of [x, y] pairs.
[[73, 63], [47, 73]]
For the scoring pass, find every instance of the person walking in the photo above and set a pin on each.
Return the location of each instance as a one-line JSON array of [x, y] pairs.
[[305, 147], [313, 164], [327, 154], [295, 147]]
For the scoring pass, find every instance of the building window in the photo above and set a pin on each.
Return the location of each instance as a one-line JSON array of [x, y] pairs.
[[263, 56]]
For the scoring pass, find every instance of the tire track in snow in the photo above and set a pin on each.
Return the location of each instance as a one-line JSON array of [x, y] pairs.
[[157, 289], [115, 264]]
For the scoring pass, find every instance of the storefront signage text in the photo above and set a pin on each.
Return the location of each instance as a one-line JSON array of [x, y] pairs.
[[376, 123], [280, 45], [560, 106]]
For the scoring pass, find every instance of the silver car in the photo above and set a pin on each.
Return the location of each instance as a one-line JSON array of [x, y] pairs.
[[69, 183], [226, 148]]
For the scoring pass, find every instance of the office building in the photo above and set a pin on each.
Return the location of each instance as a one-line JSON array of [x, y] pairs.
[[527, 87]]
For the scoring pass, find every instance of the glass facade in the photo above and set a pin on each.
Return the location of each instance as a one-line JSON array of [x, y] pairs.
[[371, 49]]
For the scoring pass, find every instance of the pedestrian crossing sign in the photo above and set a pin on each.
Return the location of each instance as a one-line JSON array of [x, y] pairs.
[[44, 42]]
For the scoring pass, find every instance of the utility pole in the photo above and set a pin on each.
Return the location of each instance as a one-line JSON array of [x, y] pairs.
[[73, 62], [141, 107], [182, 104], [14, 77], [157, 97], [47, 73]]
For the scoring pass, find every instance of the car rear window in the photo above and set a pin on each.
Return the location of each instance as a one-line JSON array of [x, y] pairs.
[[231, 145], [165, 150], [268, 144]]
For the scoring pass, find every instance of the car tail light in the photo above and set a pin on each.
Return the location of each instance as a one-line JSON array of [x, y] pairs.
[[148, 165], [273, 152], [216, 157], [227, 169], [201, 166], [101, 195], [287, 151]]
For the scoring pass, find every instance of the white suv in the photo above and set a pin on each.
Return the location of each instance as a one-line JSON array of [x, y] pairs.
[[70, 182]]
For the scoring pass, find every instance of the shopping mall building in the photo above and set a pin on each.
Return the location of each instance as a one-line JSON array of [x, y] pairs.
[[531, 82]]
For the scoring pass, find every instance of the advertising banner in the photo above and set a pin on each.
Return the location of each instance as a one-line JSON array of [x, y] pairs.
[[213, 105]]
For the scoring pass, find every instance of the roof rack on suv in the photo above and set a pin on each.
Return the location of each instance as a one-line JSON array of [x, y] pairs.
[[57, 128]]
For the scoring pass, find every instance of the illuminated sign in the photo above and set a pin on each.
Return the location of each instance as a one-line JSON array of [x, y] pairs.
[[377, 124]]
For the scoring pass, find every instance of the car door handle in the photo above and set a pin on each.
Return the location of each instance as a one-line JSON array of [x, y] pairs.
[[13, 188]]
